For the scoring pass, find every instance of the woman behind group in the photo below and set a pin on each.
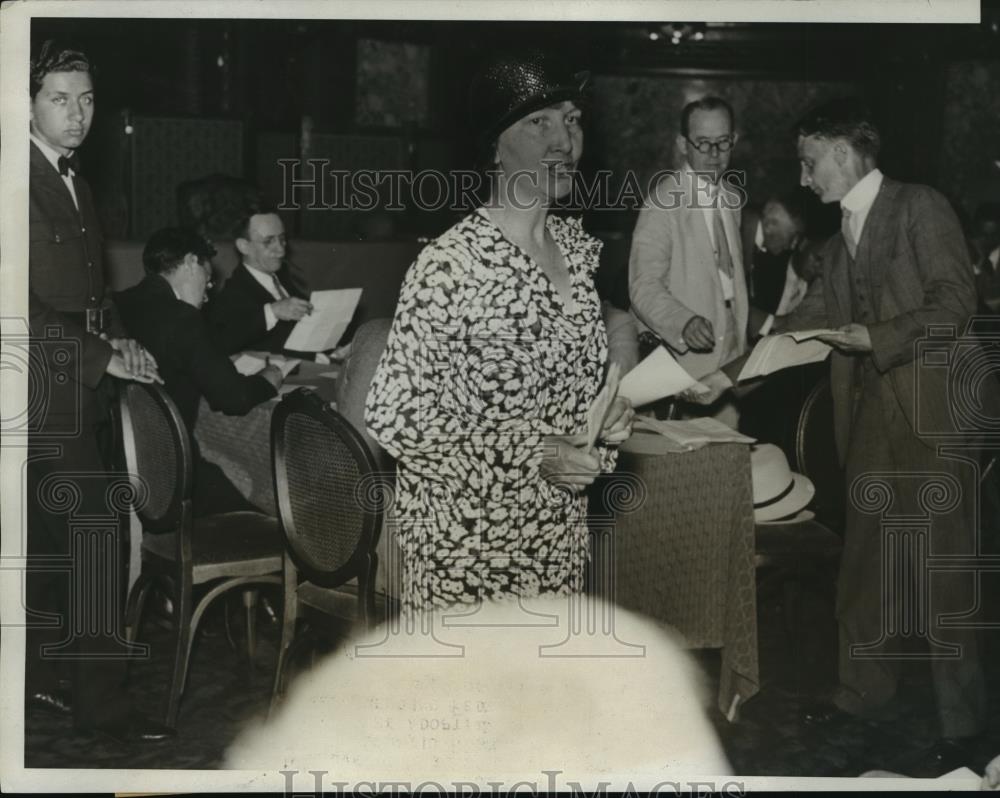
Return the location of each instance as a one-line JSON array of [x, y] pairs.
[[496, 353]]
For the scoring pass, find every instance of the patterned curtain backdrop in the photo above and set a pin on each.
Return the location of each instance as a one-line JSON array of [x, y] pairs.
[[635, 122], [392, 87], [971, 138], [167, 152]]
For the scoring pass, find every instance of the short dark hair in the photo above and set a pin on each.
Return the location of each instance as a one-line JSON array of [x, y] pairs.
[[242, 228], [52, 57], [843, 118], [710, 103], [166, 249]]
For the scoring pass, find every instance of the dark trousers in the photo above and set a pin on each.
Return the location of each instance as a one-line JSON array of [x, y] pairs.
[[888, 603], [76, 576]]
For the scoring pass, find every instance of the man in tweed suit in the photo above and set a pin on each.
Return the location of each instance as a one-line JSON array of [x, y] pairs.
[[898, 267]]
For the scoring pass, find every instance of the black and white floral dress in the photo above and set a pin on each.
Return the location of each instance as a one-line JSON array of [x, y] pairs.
[[483, 361]]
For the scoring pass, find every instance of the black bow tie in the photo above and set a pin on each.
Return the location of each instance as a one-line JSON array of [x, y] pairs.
[[66, 163]]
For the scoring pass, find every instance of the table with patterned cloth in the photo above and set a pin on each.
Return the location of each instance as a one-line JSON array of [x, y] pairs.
[[241, 445], [684, 554]]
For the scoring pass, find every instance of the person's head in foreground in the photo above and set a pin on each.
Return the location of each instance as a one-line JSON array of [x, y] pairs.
[[499, 701]]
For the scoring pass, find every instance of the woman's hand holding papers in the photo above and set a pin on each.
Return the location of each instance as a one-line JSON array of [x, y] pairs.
[[566, 464], [618, 422]]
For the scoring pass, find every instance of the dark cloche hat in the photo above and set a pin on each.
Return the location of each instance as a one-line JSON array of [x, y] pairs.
[[514, 84]]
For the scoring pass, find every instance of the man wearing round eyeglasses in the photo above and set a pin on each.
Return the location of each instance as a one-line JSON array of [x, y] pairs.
[[686, 266]]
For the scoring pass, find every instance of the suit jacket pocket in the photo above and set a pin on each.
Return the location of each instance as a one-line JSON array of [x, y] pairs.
[[58, 260]]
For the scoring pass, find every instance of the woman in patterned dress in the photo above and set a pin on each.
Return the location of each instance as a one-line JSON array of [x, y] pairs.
[[496, 352]]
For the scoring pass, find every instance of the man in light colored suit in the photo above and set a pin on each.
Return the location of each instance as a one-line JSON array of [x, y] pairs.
[[686, 278], [896, 274]]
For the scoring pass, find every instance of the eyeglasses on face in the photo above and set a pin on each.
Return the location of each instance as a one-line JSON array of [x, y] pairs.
[[704, 147]]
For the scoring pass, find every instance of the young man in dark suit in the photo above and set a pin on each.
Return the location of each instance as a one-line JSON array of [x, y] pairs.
[[899, 266], [259, 304], [164, 313], [73, 353]]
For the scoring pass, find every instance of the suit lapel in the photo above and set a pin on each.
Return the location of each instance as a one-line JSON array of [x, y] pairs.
[[873, 248], [835, 267], [256, 290], [46, 179]]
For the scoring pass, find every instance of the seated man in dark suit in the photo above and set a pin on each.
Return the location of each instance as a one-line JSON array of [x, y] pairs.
[[259, 304], [163, 312]]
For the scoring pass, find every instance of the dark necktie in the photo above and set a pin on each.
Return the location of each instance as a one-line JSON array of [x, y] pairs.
[[279, 287], [67, 162]]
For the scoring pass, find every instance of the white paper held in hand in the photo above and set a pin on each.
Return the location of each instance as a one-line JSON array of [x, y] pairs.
[[657, 377], [600, 406], [247, 364], [322, 329]]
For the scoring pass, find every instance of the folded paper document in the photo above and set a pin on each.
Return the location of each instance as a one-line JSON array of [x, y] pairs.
[[693, 433], [775, 352], [657, 377], [322, 329], [248, 363]]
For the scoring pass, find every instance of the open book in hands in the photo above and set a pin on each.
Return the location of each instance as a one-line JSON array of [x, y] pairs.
[[775, 352]]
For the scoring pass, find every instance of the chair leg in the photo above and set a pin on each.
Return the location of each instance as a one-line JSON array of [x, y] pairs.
[[290, 610], [182, 649], [134, 606], [250, 607]]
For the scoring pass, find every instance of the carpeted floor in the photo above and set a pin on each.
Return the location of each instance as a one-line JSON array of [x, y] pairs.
[[224, 694]]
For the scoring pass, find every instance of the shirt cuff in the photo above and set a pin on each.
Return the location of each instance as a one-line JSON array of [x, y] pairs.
[[765, 328], [269, 318]]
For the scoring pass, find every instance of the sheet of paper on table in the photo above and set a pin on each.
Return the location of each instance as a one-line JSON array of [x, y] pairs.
[[656, 377], [322, 329], [693, 433], [775, 352], [601, 404], [248, 363]]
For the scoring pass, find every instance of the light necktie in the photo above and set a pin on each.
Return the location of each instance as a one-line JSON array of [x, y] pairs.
[[723, 258], [845, 231], [279, 288]]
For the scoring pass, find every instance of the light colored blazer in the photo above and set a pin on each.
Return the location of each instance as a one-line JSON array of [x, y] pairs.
[[673, 275]]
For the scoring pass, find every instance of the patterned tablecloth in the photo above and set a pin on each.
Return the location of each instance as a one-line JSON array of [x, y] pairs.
[[241, 445], [684, 554]]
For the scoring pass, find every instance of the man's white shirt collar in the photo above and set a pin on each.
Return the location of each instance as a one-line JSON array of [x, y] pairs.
[[702, 183], [858, 201], [53, 156]]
